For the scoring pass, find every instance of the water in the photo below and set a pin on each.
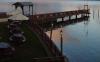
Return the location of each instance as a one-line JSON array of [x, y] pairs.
[[81, 41]]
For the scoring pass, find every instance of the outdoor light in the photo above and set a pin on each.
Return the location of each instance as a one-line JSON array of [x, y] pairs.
[[61, 40]]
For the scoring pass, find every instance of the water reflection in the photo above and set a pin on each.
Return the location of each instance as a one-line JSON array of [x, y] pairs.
[[56, 25], [66, 35], [86, 27], [81, 38]]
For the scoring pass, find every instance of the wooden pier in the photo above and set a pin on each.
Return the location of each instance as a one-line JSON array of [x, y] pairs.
[[40, 18], [51, 17]]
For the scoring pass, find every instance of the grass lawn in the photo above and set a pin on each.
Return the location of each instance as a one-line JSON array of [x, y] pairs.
[[3, 32], [32, 48]]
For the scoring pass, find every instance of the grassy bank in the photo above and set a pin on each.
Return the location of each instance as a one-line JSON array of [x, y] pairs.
[[3, 32], [32, 48]]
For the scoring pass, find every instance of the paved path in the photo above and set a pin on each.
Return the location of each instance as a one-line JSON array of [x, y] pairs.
[[4, 20]]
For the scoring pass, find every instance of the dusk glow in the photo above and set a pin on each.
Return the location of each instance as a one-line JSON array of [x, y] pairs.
[[49, 31]]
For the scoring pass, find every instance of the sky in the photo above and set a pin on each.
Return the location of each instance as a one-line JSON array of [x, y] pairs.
[[43, 0]]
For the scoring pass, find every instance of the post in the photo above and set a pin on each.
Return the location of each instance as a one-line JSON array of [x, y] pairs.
[[22, 9], [98, 13], [51, 32], [29, 11], [76, 16], [69, 17], [32, 9], [61, 39], [93, 13], [62, 19]]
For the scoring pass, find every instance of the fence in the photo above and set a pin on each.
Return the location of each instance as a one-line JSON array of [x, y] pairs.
[[48, 42]]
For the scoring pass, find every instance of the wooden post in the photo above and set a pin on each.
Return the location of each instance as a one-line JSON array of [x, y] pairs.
[[32, 9], [82, 15], [22, 10], [51, 32], [98, 13], [69, 17], [76, 16], [62, 19], [93, 13], [29, 10]]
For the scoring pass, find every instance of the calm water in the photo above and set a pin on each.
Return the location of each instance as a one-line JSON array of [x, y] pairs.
[[81, 40]]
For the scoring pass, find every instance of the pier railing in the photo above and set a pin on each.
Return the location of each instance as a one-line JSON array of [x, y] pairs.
[[48, 42], [38, 17]]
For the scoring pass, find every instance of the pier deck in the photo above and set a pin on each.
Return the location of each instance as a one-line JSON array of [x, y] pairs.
[[48, 16]]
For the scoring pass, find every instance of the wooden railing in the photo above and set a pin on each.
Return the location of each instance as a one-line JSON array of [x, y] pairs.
[[58, 14], [47, 41], [34, 19]]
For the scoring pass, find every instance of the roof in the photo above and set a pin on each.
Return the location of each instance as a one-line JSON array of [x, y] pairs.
[[23, 3], [18, 17]]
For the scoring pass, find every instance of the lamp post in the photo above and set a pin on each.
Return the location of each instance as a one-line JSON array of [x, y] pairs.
[[61, 40]]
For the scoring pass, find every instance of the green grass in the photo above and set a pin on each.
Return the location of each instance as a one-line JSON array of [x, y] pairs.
[[32, 48], [3, 32]]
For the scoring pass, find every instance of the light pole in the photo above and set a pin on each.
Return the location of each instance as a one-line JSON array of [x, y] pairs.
[[61, 40]]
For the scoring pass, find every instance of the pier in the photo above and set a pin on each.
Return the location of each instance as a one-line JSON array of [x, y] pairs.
[[36, 20], [41, 18], [34, 25]]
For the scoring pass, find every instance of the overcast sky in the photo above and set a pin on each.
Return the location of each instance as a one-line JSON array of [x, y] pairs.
[[43, 0]]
